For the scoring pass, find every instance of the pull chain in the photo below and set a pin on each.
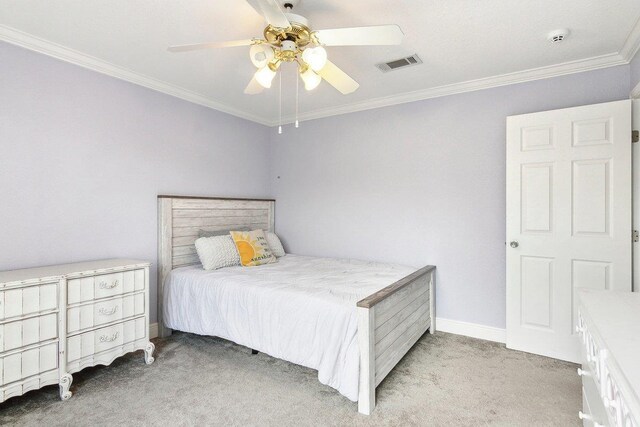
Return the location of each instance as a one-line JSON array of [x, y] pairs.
[[297, 85], [280, 102]]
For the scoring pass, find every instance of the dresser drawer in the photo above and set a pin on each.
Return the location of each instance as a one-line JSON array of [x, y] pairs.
[[594, 408], [20, 333], [614, 400], [104, 286], [592, 354], [28, 300], [20, 365], [106, 311], [103, 339]]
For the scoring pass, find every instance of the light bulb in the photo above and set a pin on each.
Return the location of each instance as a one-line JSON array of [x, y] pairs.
[[265, 76], [261, 55], [316, 57], [311, 80]]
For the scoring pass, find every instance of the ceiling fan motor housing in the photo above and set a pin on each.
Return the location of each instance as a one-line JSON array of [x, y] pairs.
[[288, 50], [288, 45], [299, 31]]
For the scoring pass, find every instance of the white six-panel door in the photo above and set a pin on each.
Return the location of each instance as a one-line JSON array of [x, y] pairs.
[[568, 219]]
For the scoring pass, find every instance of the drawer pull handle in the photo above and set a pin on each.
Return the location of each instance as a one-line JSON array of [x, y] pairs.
[[583, 373], [105, 285], [107, 338], [588, 417], [608, 403], [108, 312]]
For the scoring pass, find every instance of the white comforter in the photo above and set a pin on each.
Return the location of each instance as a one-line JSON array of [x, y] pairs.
[[300, 309]]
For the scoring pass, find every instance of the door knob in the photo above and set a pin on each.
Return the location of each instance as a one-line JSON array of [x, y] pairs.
[[514, 244]]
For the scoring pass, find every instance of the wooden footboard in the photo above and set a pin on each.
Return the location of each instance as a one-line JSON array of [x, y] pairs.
[[389, 324]]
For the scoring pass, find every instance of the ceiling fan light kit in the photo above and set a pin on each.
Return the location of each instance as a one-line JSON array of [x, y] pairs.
[[289, 38], [310, 78], [265, 75], [261, 55], [315, 57]]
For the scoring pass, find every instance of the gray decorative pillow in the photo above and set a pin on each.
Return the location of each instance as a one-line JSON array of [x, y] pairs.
[[210, 233], [217, 251], [275, 244]]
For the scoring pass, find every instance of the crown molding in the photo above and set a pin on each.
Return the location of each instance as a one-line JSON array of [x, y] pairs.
[[28, 41], [632, 44], [540, 73]]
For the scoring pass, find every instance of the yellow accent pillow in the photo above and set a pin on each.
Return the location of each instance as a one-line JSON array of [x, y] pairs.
[[252, 247]]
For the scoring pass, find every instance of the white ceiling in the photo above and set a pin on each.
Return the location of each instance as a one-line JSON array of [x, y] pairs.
[[464, 44]]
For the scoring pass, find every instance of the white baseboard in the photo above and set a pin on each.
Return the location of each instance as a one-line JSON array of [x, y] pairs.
[[472, 330], [153, 330]]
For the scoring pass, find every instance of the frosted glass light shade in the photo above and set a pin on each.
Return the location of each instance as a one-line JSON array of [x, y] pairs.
[[261, 55], [311, 79], [265, 76], [315, 57]]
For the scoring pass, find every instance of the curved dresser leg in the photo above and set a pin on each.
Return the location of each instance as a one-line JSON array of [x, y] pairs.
[[65, 385], [148, 353]]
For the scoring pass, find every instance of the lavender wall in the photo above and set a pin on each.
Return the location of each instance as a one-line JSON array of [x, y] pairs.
[[419, 183], [634, 70], [83, 156]]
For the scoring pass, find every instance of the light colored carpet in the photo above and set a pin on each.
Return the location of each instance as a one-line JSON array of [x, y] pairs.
[[445, 380]]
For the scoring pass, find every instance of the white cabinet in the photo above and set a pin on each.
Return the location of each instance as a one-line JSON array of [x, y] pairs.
[[57, 320], [609, 327]]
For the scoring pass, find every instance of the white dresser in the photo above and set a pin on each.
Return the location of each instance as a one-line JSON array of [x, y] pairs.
[[57, 320], [609, 328]]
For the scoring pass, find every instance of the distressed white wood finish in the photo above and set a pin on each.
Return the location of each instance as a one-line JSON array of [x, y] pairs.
[[569, 218], [86, 349], [27, 331], [92, 288], [29, 334], [28, 369], [180, 220], [608, 327], [98, 313], [366, 343], [19, 302], [43, 310], [390, 322]]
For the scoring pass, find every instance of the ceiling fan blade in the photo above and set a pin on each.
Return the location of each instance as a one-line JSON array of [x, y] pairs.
[[270, 10], [361, 36], [198, 46], [338, 78], [253, 88]]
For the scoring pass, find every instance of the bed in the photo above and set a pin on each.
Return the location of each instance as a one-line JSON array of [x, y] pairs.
[[350, 320]]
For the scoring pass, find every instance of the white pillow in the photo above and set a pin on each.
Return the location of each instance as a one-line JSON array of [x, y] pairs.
[[275, 244], [217, 252]]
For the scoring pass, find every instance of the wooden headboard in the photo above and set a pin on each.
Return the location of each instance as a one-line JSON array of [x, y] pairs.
[[180, 220]]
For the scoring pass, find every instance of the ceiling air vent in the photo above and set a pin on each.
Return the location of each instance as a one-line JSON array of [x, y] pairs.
[[399, 63]]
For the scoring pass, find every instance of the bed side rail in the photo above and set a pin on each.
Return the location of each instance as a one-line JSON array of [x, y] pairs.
[[390, 322]]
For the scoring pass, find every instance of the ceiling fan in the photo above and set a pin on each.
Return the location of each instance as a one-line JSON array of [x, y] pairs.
[[288, 38]]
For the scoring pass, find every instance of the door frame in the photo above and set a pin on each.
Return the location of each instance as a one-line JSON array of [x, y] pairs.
[[635, 186]]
